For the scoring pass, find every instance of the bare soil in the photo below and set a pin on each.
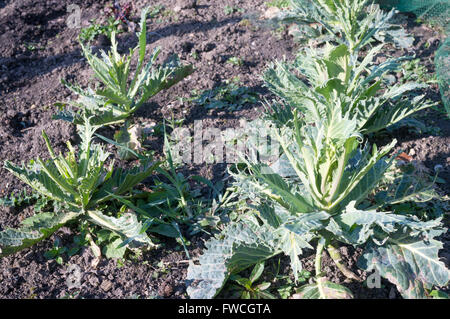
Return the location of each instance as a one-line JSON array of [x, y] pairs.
[[38, 49]]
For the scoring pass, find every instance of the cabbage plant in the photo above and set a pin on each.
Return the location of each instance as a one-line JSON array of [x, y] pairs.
[[318, 197]]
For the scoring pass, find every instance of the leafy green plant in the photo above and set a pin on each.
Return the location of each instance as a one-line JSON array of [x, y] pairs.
[[30, 46], [121, 95], [235, 60], [56, 252], [286, 289], [355, 23], [413, 70], [94, 30], [332, 78], [79, 241], [280, 4], [111, 243], [231, 9], [325, 200], [84, 183], [155, 10], [250, 291], [230, 95], [436, 294], [326, 189], [172, 201], [19, 199]]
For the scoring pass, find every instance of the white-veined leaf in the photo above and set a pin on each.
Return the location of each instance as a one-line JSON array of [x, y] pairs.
[[34, 229], [323, 289], [411, 263]]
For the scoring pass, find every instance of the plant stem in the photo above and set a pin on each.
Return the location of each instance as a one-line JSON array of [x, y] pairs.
[[318, 259], [320, 277], [94, 247], [337, 258]]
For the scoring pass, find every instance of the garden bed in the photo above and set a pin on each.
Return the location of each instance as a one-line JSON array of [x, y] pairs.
[[38, 49]]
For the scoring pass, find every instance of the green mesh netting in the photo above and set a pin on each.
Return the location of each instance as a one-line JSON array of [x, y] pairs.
[[436, 12], [442, 60]]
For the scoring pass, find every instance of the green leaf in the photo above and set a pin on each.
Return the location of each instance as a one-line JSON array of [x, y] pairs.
[[323, 289], [127, 226], [246, 295], [114, 249], [122, 147], [34, 229], [123, 181], [366, 177], [244, 282], [163, 78], [437, 294], [115, 97], [242, 245], [246, 255], [410, 263], [142, 36], [127, 138], [263, 286], [283, 83], [165, 230], [256, 272], [305, 223], [278, 189], [356, 226], [40, 181], [392, 113], [387, 221], [292, 245], [408, 188], [350, 235]]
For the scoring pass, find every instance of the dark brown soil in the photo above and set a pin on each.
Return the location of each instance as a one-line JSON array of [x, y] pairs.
[[38, 49]]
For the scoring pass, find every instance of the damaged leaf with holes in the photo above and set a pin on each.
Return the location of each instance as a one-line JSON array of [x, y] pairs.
[[323, 201]]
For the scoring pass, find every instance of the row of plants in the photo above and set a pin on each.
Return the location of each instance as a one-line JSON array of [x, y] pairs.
[[331, 187], [84, 187]]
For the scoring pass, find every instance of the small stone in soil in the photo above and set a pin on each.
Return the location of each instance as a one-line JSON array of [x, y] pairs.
[[344, 251], [93, 281], [106, 285], [184, 4], [271, 12]]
